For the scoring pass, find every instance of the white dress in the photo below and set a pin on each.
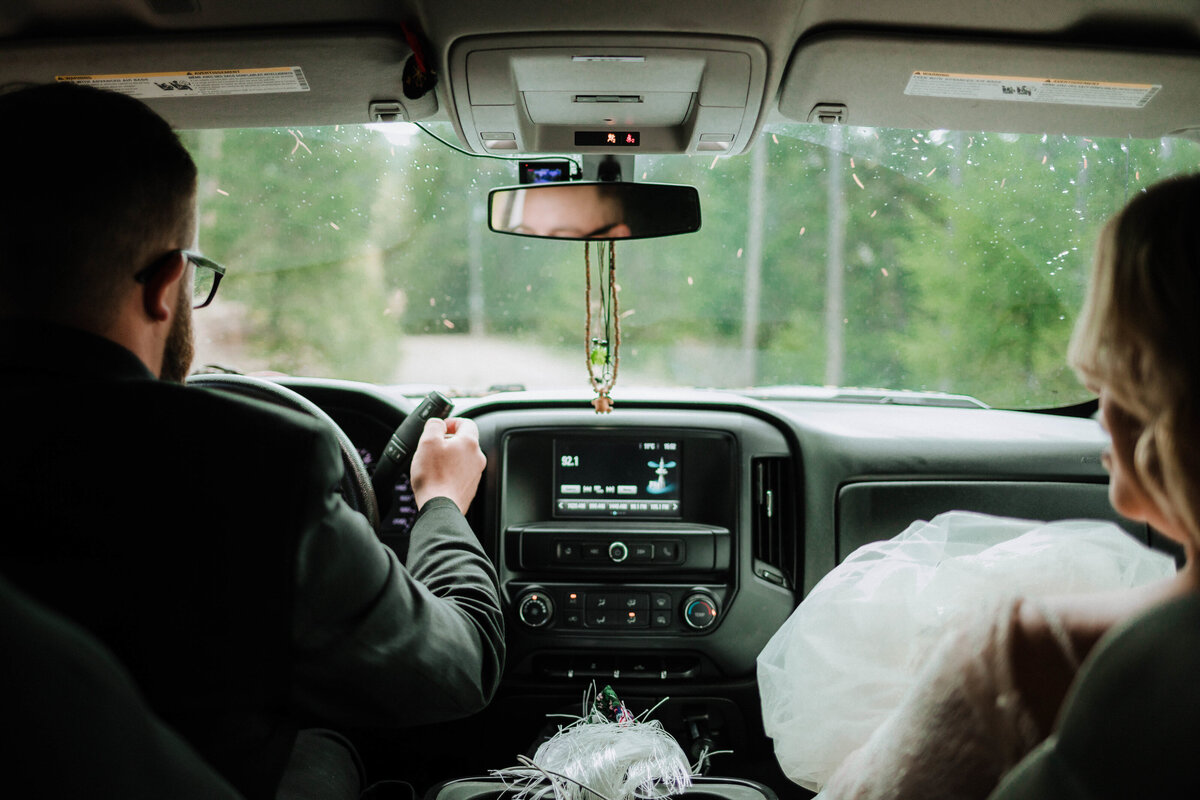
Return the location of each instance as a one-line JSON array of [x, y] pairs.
[[893, 679], [961, 726]]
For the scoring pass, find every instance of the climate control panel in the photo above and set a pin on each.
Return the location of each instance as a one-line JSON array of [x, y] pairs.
[[630, 609], [700, 611]]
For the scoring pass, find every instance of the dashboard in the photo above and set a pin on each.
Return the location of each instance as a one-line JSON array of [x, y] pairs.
[[669, 540], [659, 548], [631, 537], [626, 546]]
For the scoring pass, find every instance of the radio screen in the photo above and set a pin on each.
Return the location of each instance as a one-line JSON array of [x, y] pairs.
[[617, 477]]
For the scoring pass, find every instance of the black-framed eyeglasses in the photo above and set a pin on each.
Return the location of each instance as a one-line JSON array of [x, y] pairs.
[[206, 275]]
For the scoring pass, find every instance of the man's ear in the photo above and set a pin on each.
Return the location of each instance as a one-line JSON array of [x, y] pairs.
[[156, 292]]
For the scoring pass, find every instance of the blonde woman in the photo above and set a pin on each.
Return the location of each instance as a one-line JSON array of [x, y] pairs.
[[1091, 697], [1131, 722]]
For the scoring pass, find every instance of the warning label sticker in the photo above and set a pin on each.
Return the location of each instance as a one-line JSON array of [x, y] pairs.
[[198, 83], [1031, 90]]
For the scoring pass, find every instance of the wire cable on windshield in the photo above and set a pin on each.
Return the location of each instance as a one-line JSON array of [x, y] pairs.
[[452, 146]]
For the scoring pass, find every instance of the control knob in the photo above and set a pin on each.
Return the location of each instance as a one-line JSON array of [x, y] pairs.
[[535, 609], [700, 611]]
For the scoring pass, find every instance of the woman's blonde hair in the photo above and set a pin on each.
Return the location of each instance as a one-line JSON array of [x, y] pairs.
[[1139, 337]]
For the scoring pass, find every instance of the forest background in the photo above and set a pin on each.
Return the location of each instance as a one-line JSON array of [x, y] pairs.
[[828, 256]]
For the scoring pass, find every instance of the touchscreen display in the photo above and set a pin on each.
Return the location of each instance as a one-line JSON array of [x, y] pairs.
[[617, 477]]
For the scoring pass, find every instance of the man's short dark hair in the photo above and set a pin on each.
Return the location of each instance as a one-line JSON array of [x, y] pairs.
[[95, 184]]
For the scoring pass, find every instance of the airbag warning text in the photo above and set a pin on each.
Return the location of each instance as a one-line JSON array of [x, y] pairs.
[[197, 83], [1031, 90]]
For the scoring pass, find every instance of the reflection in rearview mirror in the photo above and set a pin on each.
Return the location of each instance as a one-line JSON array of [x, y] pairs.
[[605, 210]]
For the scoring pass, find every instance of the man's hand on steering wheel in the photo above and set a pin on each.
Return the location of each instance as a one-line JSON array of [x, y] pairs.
[[448, 462]]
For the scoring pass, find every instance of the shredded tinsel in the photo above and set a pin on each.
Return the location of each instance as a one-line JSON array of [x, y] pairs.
[[607, 753]]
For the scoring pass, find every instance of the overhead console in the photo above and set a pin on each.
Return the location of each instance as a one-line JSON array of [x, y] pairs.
[[604, 93]]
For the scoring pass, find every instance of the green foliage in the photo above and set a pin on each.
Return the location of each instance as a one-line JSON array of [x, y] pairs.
[[964, 257]]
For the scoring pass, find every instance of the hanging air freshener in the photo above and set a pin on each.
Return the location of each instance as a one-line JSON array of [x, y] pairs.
[[599, 355], [602, 346]]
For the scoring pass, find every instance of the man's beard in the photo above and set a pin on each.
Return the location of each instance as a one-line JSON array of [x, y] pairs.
[[180, 346]]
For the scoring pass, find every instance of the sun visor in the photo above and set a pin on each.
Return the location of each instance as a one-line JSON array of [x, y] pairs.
[[254, 81], [606, 94], [871, 79]]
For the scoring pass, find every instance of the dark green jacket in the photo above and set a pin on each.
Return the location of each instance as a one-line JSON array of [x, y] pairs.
[[201, 538]]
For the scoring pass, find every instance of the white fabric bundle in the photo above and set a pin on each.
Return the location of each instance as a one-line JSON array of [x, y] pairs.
[[850, 654]]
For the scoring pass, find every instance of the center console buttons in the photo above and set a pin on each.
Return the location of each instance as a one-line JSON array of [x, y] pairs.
[[618, 552]]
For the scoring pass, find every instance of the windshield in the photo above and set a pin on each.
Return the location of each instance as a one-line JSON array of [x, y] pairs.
[[912, 260]]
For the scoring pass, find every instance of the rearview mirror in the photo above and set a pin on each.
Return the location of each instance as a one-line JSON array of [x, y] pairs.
[[594, 210]]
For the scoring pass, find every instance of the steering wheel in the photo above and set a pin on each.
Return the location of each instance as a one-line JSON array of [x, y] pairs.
[[356, 482]]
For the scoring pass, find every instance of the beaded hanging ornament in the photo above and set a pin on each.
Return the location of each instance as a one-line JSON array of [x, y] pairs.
[[604, 343]]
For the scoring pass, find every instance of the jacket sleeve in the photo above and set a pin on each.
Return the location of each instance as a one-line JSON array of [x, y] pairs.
[[381, 644]]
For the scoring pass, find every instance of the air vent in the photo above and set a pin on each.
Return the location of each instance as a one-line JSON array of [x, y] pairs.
[[774, 527]]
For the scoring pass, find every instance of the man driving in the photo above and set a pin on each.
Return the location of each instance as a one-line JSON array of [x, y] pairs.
[[199, 535]]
